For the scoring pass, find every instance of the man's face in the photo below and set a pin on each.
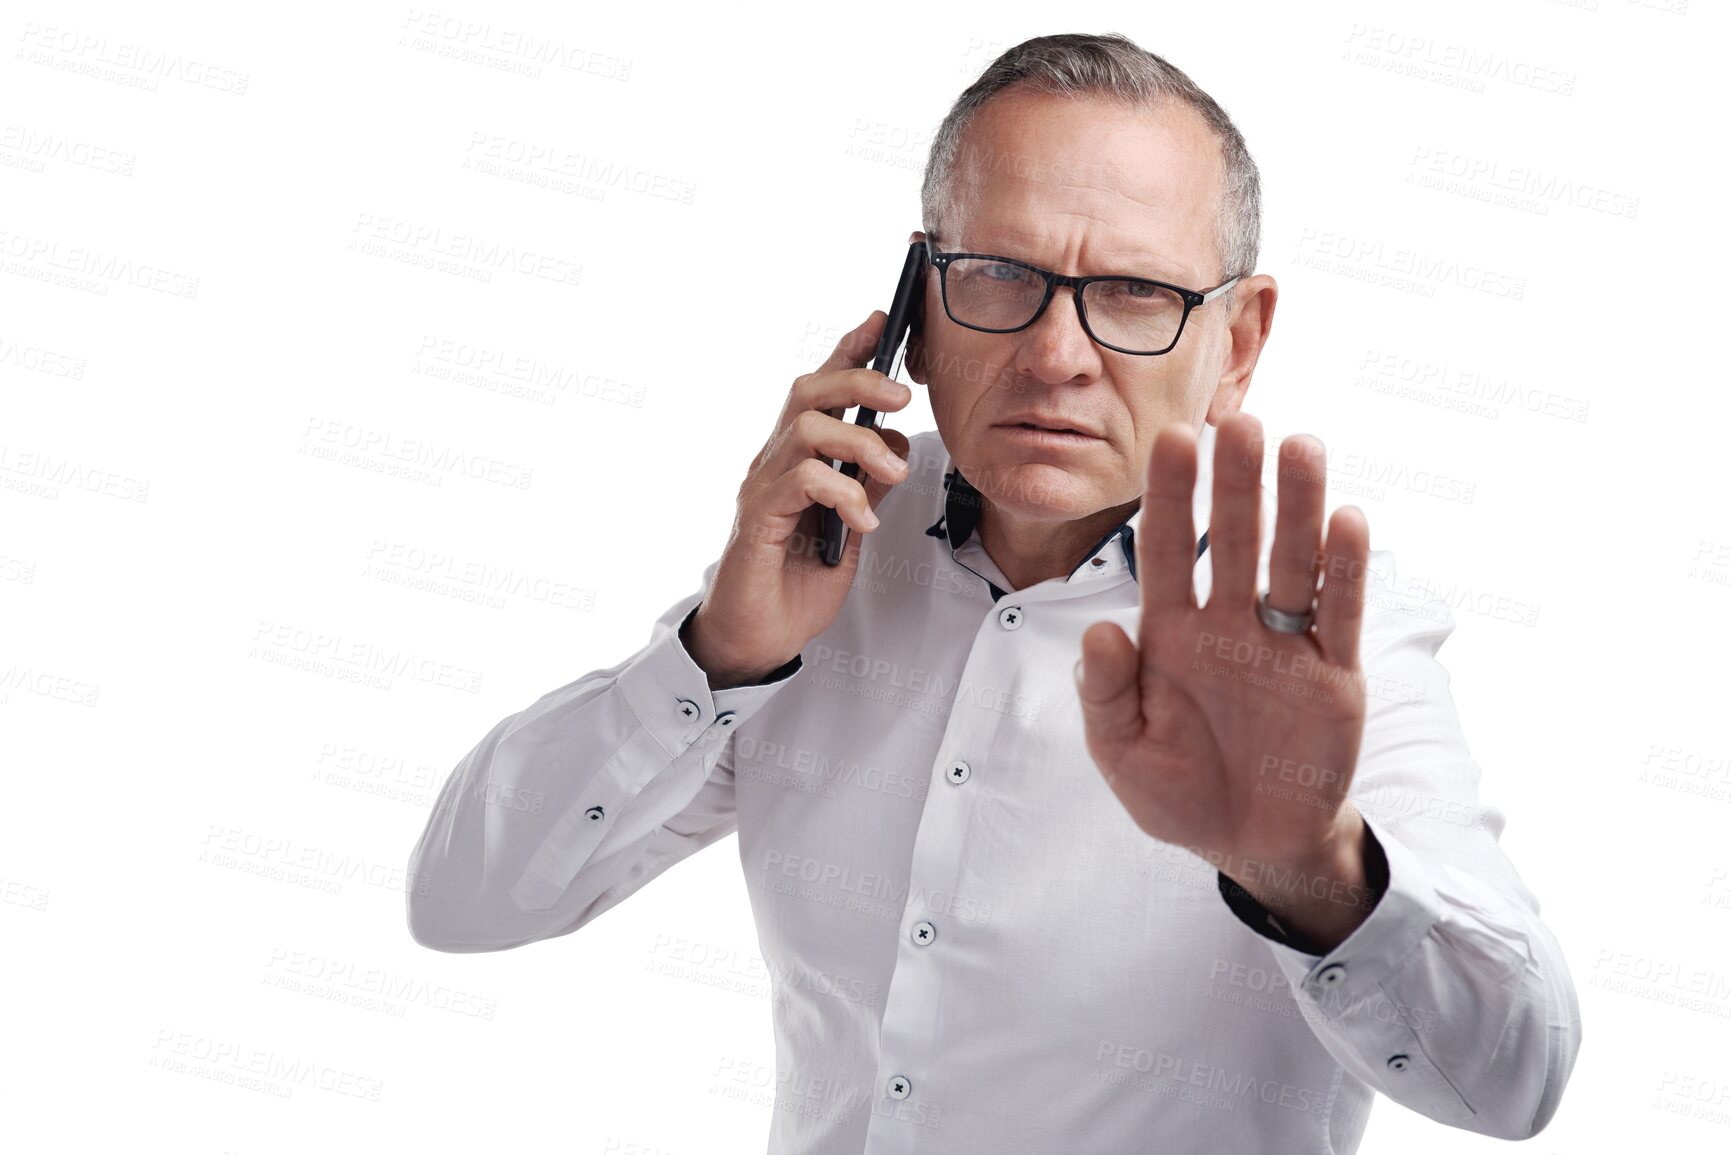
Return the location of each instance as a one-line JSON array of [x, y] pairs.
[[1081, 187]]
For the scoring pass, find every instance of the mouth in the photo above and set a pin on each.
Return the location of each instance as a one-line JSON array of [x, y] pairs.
[[1049, 430]]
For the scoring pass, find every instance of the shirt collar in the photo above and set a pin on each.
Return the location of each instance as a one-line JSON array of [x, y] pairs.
[[962, 502]]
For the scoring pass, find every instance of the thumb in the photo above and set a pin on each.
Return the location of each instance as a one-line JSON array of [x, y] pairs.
[[1108, 685]]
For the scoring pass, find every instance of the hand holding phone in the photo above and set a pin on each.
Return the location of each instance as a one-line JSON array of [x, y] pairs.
[[905, 309], [771, 594]]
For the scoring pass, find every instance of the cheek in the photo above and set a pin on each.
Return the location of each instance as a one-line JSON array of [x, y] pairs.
[[962, 372], [1181, 397]]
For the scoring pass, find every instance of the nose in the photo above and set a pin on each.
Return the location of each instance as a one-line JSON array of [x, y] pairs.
[[1056, 348]]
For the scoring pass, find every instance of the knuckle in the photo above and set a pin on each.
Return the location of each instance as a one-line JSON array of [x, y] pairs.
[[809, 422]]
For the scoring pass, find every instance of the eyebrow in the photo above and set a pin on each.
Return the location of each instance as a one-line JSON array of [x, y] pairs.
[[1128, 262]]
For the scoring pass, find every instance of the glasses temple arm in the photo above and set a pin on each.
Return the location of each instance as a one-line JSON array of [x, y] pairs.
[[1220, 288]]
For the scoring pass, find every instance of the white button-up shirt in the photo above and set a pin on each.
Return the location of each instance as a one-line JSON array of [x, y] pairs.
[[973, 947]]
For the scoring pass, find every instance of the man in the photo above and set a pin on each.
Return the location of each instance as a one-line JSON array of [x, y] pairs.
[[1207, 892]]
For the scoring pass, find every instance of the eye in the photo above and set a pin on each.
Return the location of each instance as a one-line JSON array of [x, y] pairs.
[[1138, 295], [1006, 274], [1130, 290]]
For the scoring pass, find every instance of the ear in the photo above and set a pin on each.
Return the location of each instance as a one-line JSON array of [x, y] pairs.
[[1228, 399], [1247, 333], [915, 359]]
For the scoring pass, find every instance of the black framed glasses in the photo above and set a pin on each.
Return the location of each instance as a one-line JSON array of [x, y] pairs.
[[1132, 315]]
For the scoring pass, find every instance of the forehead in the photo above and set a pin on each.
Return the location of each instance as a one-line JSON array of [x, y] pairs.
[[1136, 190]]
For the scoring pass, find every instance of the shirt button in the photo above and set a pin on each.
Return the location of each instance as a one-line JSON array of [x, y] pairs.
[[725, 718], [595, 813], [899, 1087], [688, 709], [1331, 975], [923, 933], [1010, 617], [958, 772], [1398, 1062]]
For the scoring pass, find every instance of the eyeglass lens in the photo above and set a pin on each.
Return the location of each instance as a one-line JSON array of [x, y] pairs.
[[1130, 314]]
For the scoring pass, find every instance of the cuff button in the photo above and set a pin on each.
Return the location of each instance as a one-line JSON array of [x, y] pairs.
[[1399, 1062], [595, 813]]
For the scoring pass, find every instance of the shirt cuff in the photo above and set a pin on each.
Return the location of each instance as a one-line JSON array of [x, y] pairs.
[[669, 693], [1344, 994], [1395, 927], [1263, 921]]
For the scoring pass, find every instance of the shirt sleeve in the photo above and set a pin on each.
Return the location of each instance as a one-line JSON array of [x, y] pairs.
[[566, 808], [1452, 997]]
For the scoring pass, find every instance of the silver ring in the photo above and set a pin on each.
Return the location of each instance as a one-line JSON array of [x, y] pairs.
[[1281, 620]]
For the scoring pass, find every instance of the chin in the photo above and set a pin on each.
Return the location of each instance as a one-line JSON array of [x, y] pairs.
[[1037, 487]]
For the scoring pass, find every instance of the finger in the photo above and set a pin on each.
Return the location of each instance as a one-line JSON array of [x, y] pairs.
[[855, 350], [858, 345], [1298, 526], [1235, 521], [1166, 533], [821, 435], [875, 486], [875, 491], [1340, 605], [843, 388], [780, 507], [1109, 689]]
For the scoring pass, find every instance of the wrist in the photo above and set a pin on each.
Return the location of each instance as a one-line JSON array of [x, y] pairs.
[[1323, 896], [722, 675]]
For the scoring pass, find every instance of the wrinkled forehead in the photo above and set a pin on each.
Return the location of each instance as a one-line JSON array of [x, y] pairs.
[[1136, 190]]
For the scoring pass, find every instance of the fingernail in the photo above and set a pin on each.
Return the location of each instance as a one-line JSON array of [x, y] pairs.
[[1077, 671], [893, 461]]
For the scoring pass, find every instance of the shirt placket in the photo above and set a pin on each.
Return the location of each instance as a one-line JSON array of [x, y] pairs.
[[908, 1097]]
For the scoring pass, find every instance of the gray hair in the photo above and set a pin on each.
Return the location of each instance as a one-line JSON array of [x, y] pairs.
[[1111, 65]]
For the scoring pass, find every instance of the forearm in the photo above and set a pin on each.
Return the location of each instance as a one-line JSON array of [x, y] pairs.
[[1451, 997]]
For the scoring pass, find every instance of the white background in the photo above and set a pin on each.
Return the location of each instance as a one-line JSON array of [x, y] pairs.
[[193, 321]]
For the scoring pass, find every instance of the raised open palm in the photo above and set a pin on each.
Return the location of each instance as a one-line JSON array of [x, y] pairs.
[[1216, 732]]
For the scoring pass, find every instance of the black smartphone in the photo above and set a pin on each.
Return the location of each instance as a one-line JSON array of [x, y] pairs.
[[905, 312]]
